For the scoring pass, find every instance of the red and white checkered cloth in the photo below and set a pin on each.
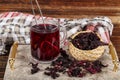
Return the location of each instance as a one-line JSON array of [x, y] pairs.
[[17, 25]]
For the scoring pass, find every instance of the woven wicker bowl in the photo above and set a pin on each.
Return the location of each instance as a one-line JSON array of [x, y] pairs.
[[90, 55]]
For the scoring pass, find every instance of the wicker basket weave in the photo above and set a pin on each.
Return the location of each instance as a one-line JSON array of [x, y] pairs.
[[90, 55]]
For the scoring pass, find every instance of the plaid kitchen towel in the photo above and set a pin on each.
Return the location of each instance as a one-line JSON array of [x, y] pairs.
[[17, 25]]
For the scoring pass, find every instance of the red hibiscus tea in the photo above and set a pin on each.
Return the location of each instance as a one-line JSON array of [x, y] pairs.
[[45, 42]]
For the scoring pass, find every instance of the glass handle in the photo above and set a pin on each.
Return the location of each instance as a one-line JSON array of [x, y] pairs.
[[63, 36]]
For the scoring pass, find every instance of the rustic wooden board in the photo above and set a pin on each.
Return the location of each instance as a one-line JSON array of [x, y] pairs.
[[65, 7], [3, 63]]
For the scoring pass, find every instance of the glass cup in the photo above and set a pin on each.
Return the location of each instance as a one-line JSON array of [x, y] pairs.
[[46, 41]]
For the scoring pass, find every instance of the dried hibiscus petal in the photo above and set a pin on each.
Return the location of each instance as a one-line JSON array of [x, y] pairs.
[[87, 41], [34, 69], [73, 68]]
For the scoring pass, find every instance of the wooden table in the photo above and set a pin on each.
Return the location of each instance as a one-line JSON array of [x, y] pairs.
[[68, 9], [3, 62]]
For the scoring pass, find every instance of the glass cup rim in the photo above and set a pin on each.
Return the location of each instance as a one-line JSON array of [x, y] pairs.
[[44, 31]]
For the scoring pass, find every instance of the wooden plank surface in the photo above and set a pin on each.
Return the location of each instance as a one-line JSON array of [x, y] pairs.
[[68, 9], [65, 7], [3, 63]]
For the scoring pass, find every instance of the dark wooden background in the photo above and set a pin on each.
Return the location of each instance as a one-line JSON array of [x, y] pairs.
[[68, 9]]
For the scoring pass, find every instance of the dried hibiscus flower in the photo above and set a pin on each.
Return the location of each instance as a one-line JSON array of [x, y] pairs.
[[87, 41]]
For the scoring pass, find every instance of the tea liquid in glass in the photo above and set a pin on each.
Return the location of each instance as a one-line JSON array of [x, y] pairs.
[[45, 42]]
